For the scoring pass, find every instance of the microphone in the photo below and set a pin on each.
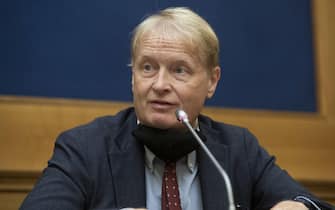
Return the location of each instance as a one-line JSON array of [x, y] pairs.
[[182, 117]]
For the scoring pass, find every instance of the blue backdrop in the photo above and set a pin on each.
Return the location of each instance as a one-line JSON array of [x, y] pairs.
[[80, 49]]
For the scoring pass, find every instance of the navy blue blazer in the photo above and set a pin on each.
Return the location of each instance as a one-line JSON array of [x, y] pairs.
[[101, 166]]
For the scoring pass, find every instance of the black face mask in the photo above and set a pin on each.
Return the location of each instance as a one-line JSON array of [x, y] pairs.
[[167, 144]]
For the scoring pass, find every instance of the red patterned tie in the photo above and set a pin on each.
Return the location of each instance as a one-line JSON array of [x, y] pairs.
[[170, 191]]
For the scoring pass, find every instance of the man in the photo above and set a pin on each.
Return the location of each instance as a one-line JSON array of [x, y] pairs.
[[123, 161]]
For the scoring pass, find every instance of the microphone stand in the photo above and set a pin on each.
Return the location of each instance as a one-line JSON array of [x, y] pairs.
[[182, 116]]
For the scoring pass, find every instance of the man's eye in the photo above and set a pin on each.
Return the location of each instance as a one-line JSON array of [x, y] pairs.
[[180, 70], [147, 67]]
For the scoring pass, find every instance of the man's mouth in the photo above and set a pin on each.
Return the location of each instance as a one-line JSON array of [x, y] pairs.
[[159, 104]]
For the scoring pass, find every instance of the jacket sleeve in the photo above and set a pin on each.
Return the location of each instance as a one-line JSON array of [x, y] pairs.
[[270, 183], [64, 182]]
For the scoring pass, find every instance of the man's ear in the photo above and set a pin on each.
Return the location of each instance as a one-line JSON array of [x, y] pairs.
[[214, 77], [132, 80]]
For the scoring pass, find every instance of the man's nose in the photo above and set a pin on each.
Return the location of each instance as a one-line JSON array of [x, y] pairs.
[[162, 82]]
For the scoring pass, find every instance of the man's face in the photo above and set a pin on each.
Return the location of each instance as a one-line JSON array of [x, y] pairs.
[[166, 76]]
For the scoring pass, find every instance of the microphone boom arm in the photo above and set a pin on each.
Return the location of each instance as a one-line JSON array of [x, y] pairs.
[[182, 116]]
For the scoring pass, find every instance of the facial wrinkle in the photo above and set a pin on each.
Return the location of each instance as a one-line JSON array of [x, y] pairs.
[[159, 43]]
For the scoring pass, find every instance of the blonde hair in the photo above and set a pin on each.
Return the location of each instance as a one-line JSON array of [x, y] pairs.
[[185, 25]]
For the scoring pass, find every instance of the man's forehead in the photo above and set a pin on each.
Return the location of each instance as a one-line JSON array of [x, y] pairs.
[[167, 42]]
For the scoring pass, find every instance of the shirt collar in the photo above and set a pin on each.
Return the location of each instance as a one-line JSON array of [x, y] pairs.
[[150, 157]]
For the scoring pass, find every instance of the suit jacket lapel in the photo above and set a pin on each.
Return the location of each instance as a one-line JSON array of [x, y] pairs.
[[127, 167], [214, 194]]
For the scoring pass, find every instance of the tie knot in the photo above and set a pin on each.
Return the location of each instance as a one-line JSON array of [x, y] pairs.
[[170, 163], [170, 166]]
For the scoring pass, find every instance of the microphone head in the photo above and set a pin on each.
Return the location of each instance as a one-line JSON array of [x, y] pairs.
[[181, 115]]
